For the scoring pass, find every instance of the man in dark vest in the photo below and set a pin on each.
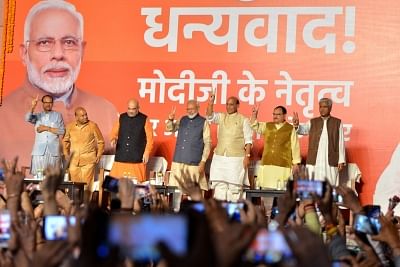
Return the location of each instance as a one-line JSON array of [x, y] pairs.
[[193, 145], [281, 153], [326, 152], [133, 136]]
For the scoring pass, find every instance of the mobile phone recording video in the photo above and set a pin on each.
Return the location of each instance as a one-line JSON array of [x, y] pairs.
[[138, 236], [233, 210], [269, 247], [306, 188], [366, 225], [5, 225], [110, 184], [55, 227]]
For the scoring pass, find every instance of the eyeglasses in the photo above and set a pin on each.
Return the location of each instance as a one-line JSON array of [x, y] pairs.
[[47, 44], [277, 114], [47, 102]]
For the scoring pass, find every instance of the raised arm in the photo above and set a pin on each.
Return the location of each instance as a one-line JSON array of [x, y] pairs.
[[171, 124], [210, 106], [30, 115]]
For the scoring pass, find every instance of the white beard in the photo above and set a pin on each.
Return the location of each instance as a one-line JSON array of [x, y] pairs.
[[58, 85], [192, 116]]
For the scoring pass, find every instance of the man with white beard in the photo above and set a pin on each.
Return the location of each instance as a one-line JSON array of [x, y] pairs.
[[52, 53], [193, 146]]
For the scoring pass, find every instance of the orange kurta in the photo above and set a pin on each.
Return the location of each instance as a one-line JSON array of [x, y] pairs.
[[87, 144]]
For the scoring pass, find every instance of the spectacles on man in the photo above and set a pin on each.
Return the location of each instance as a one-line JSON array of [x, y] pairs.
[[47, 44], [277, 114]]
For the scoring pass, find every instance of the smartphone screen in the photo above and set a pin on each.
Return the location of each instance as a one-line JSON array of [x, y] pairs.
[[111, 184], [268, 247], [305, 188], [55, 227], [233, 210], [366, 225], [138, 236], [143, 192], [336, 197], [5, 225]]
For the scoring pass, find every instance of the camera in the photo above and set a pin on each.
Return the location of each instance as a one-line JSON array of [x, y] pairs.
[[138, 236]]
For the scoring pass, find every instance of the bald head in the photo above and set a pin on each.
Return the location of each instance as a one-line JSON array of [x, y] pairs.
[[133, 107], [81, 116]]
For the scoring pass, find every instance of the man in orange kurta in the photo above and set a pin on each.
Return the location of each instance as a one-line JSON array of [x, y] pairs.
[[84, 139], [132, 135]]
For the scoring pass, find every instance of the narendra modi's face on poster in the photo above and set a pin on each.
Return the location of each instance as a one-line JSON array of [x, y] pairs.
[[53, 53]]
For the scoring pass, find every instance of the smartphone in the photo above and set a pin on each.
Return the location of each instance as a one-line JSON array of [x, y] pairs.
[[138, 236], [55, 227], [143, 192], [306, 188], [336, 197], [233, 210], [372, 211], [1, 174], [5, 225], [366, 225], [269, 247], [110, 184], [199, 207]]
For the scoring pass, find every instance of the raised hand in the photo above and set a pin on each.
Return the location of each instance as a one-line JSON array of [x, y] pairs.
[[171, 115], [34, 102], [295, 119], [212, 97]]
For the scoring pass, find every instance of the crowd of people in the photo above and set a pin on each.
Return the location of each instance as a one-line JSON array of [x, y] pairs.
[[301, 232]]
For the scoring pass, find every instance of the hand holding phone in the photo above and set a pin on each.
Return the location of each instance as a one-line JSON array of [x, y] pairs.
[[55, 227], [111, 184], [305, 189], [5, 228], [138, 236]]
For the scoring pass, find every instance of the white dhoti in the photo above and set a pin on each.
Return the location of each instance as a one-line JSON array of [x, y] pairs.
[[228, 177]]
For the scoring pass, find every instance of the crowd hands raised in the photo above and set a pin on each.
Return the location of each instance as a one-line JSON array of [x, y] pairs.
[[309, 232]]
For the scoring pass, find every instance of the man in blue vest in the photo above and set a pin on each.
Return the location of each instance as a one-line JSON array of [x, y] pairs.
[[193, 145]]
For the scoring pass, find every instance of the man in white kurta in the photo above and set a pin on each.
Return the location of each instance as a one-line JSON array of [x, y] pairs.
[[281, 152], [228, 171], [326, 155], [388, 184]]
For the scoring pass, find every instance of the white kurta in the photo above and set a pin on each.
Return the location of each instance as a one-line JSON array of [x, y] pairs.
[[388, 184], [230, 169], [322, 170]]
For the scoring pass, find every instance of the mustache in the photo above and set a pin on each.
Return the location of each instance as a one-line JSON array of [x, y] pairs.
[[56, 65]]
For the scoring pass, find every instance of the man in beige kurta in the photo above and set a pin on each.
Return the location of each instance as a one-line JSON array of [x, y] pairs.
[[85, 142], [281, 153], [228, 171]]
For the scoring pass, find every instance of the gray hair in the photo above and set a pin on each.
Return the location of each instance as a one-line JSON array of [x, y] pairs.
[[326, 100], [51, 4], [192, 101]]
